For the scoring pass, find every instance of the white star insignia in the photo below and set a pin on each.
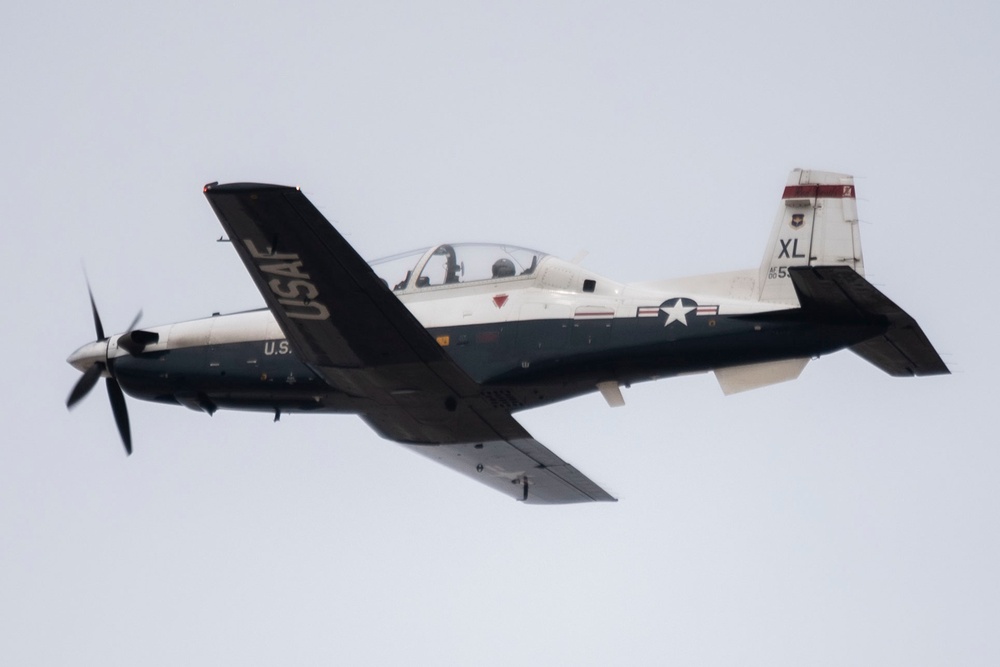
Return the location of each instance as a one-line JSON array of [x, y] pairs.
[[677, 313]]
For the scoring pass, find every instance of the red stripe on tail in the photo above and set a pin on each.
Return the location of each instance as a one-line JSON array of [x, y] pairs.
[[828, 191]]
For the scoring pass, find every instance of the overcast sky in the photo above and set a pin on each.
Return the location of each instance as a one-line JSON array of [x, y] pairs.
[[846, 518]]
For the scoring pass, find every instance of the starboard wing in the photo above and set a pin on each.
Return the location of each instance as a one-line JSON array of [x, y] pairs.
[[344, 322]]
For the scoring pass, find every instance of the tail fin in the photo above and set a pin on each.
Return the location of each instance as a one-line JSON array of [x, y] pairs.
[[816, 225]]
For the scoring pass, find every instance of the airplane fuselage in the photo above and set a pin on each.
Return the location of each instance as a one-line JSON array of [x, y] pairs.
[[530, 343]]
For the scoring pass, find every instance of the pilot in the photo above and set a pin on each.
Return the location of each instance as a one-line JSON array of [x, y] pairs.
[[503, 268]]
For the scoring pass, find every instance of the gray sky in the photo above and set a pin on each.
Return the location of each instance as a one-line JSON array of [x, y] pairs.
[[845, 518]]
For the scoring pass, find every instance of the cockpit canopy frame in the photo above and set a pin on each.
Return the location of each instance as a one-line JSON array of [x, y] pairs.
[[456, 264]]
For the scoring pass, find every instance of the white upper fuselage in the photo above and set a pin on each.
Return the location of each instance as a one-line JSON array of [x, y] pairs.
[[553, 290]]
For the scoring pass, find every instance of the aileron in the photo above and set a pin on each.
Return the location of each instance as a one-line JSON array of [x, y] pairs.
[[515, 469]]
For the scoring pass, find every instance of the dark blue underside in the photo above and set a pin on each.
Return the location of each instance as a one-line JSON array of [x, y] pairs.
[[523, 363]]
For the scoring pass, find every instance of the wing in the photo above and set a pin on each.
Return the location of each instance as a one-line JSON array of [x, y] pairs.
[[343, 321]]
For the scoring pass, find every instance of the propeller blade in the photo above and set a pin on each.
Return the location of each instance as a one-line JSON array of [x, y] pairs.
[[97, 318], [138, 341], [121, 413], [84, 384]]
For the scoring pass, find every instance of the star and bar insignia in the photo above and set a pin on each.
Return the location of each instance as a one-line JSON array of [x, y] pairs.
[[676, 310]]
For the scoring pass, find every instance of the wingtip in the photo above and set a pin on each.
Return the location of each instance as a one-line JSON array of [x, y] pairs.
[[238, 188]]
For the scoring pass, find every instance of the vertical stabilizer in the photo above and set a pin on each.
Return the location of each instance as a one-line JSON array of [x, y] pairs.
[[816, 225]]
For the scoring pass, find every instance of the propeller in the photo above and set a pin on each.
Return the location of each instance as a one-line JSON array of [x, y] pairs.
[[134, 342]]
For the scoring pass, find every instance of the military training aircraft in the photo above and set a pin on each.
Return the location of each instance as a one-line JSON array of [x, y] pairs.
[[437, 348]]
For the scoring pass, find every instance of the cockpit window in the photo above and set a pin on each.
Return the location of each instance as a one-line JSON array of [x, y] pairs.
[[450, 264], [470, 262], [441, 269]]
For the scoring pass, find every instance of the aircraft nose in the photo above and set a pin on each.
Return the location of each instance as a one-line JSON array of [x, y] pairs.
[[87, 355]]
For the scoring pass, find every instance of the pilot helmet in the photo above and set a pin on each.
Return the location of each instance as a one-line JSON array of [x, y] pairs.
[[503, 268]]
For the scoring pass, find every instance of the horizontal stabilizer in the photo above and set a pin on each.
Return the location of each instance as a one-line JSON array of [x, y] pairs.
[[840, 292]]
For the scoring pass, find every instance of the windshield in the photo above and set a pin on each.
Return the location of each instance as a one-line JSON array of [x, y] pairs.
[[396, 270]]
